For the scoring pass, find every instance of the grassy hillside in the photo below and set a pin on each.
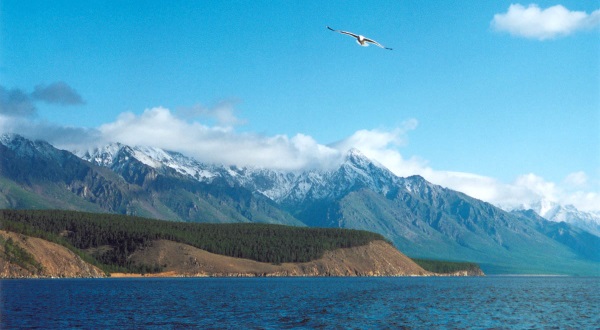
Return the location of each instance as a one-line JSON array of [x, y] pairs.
[[110, 238]]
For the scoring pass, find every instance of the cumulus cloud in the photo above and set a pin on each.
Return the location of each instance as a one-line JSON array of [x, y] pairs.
[[161, 128], [378, 138], [536, 188], [57, 93], [534, 22]]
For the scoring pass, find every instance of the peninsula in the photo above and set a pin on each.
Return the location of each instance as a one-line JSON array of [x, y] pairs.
[[73, 244]]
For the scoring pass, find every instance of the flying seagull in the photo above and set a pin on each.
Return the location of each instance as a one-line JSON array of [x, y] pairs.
[[361, 40]]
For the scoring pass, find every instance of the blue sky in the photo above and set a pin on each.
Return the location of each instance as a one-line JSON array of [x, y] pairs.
[[474, 95]]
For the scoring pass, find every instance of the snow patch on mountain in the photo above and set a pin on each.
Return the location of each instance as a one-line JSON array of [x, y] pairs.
[[153, 157], [25, 147], [589, 221]]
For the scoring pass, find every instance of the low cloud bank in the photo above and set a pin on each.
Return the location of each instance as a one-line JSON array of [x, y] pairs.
[[221, 143]]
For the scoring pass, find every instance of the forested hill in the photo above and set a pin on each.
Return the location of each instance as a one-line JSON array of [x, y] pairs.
[[110, 238]]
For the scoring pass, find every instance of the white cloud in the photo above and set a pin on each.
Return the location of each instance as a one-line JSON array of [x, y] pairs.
[[524, 190], [576, 179], [161, 128], [377, 138], [534, 22], [538, 186]]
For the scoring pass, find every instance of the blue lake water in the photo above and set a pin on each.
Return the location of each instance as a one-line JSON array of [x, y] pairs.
[[275, 303]]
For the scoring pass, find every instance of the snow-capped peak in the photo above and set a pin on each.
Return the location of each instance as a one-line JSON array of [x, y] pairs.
[[356, 157], [153, 157], [25, 146], [101, 155], [553, 211]]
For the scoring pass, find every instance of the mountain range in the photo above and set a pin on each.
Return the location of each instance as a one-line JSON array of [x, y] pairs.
[[422, 219]]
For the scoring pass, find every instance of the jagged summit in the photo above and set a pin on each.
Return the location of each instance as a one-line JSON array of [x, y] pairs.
[[24, 146], [113, 154], [103, 156], [354, 154], [16, 141]]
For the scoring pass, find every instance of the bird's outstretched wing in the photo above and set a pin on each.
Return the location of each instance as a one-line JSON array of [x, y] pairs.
[[344, 32], [376, 43], [358, 38]]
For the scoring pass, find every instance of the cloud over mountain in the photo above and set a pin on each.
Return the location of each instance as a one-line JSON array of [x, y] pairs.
[[161, 128], [221, 143], [537, 23]]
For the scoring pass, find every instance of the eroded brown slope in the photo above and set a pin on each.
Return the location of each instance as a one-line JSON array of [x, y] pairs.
[[378, 258], [55, 260]]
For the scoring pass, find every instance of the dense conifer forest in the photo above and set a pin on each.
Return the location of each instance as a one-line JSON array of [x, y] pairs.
[[108, 239]]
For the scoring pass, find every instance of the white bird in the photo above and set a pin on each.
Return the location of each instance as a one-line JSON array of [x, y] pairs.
[[361, 40]]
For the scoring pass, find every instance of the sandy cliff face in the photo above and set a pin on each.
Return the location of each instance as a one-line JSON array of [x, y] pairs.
[[376, 259], [53, 260]]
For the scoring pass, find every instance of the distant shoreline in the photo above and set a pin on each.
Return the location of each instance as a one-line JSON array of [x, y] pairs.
[[535, 275]]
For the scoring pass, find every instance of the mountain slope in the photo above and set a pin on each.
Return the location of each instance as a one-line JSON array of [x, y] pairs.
[[583, 243], [35, 173]]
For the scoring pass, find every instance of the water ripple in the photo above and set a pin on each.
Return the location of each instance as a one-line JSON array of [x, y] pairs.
[[291, 303]]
